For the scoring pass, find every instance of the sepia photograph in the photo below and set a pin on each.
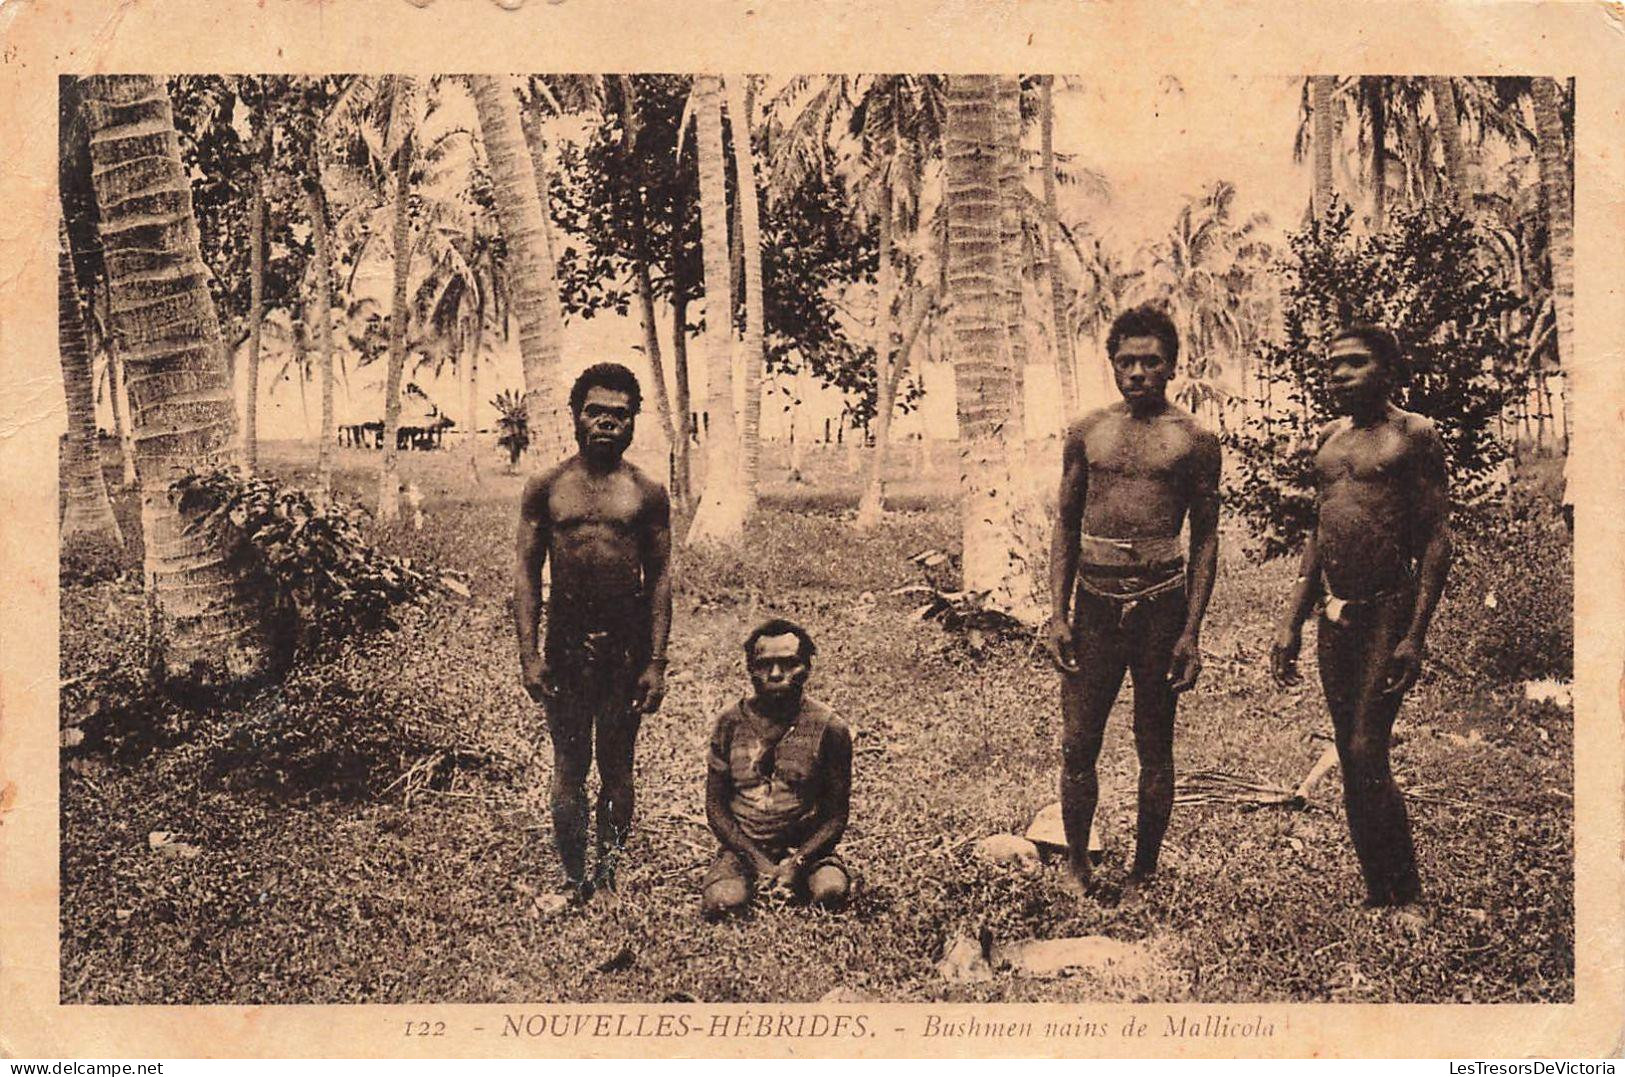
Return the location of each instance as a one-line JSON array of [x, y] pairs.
[[817, 538]]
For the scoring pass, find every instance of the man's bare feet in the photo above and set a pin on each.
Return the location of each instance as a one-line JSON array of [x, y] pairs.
[[1411, 919], [1135, 887], [574, 896]]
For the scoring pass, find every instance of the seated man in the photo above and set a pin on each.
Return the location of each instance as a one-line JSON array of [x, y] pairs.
[[779, 783]]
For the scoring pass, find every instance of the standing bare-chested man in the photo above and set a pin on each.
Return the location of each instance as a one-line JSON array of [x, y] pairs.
[[1131, 474], [607, 527], [1376, 564]]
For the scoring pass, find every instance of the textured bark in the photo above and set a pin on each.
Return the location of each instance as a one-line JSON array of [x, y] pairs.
[[720, 517], [518, 191], [640, 257], [256, 312], [1448, 117], [872, 502], [1010, 259], [471, 375], [1052, 232], [86, 508], [992, 561], [1323, 133], [751, 243], [1377, 109], [316, 205], [1557, 193], [560, 433], [209, 625], [389, 479], [682, 403], [121, 421]]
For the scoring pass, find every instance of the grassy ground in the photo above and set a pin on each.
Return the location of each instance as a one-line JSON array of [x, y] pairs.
[[316, 865]]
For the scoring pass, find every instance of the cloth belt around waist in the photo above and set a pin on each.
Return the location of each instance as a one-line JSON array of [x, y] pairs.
[[1117, 557], [1336, 609]]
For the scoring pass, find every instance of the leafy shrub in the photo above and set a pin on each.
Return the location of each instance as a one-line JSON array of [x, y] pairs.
[[1424, 279], [1508, 613], [321, 570]]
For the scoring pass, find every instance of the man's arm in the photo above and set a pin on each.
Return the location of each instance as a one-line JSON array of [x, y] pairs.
[[531, 544], [1185, 663], [656, 543], [1306, 591], [834, 801], [1431, 513], [718, 791], [1063, 549]]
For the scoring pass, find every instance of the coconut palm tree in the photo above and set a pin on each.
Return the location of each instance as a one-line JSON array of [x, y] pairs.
[[1064, 360], [1324, 139], [1192, 270], [882, 132], [210, 627], [399, 139], [256, 289], [321, 273], [992, 561], [631, 125], [1557, 195], [720, 517], [748, 199], [1447, 115], [87, 509]]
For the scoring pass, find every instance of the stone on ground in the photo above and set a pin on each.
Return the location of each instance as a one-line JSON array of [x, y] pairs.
[[963, 962], [1006, 849], [1057, 957], [1049, 830]]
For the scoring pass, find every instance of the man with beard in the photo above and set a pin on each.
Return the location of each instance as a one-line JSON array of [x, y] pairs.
[[607, 527], [1375, 566], [779, 783]]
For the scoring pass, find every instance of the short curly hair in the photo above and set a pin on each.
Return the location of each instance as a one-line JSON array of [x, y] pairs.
[[606, 376], [1382, 342], [778, 626], [1145, 320]]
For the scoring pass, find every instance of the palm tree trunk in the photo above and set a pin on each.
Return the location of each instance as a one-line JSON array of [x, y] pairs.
[[87, 509], [640, 257], [751, 234], [518, 190], [1448, 116], [1377, 110], [256, 319], [121, 421], [316, 204], [1063, 338], [1323, 134], [872, 502], [721, 514], [1557, 195], [992, 561], [209, 625], [471, 375], [682, 403], [1010, 195], [389, 480]]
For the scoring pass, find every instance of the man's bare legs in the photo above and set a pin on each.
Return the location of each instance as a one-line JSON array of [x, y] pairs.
[[617, 731], [1353, 663], [1086, 701], [569, 723]]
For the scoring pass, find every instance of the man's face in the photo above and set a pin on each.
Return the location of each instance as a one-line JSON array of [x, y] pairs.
[[1142, 369], [1357, 378], [776, 666], [605, 422]]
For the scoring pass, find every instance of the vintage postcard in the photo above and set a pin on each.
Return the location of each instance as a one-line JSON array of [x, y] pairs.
[[568, 528]]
